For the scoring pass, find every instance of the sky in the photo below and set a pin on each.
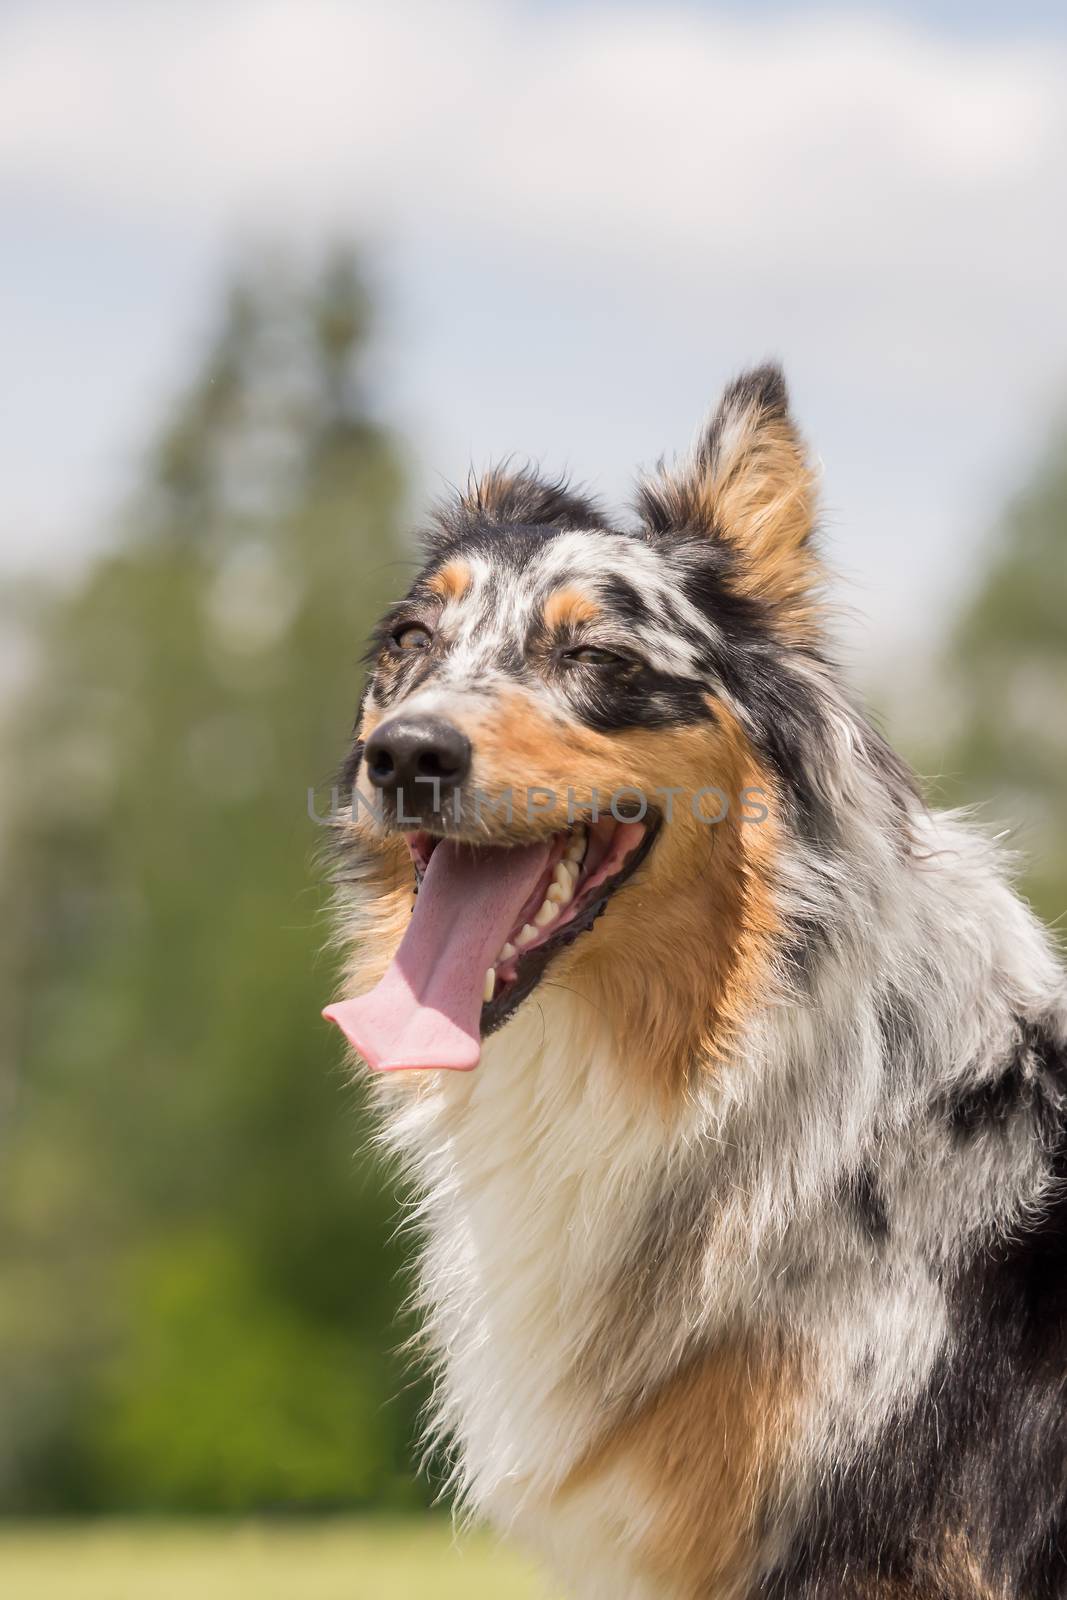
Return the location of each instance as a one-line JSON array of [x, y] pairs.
[[581, 220]]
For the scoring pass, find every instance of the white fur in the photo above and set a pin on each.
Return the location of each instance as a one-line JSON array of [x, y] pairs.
[[539, 1171]]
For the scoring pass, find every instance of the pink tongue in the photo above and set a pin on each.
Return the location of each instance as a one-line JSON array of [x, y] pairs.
[[426, 1011]]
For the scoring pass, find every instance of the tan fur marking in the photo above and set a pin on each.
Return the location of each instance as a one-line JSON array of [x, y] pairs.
[[383, 907], [960, 1573], [698, 919], [452, 581], [756, 490], [763, 496], [955, 1575], [703, 1455], [566, 608], [370, 720], [377, 924]]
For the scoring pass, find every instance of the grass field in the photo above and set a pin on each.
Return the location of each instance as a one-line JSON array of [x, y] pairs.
[[334, 1560]]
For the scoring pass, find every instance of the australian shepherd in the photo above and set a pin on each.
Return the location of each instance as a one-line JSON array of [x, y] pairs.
[[731, 1078]]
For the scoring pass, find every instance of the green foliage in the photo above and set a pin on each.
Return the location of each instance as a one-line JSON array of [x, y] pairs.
[[197, 1284], [1006, 668], [290, 1415]]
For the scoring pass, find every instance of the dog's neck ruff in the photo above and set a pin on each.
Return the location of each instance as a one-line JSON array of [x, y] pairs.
[[533, 1173], [582, 1245]]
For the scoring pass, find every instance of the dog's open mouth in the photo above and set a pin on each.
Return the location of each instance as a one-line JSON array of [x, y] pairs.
[[488, 920]]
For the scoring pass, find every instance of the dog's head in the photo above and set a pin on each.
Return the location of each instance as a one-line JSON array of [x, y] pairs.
[[573, 741]]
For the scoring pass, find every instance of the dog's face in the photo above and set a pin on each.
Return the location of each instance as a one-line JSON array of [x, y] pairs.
[[561, 739]]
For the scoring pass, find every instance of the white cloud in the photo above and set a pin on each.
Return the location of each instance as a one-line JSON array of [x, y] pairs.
[[668, 130]]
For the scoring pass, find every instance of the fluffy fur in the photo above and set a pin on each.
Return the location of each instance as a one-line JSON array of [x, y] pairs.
[[743, 1248]]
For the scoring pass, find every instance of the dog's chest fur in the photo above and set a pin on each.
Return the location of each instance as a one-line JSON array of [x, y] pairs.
[[581, 1251], [593, 1269], [564, 1286], [533, 1171]]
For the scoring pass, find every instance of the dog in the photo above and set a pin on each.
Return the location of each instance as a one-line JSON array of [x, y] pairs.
[[731, 1078]]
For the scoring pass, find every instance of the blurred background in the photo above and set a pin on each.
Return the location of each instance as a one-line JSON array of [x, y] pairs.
[[272, 275]]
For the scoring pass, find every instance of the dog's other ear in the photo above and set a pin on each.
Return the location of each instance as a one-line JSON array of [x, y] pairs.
[[749, 485], [516, 495]]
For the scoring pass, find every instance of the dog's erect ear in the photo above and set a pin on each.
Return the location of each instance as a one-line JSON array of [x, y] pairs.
[[749, 485], [516, 495]]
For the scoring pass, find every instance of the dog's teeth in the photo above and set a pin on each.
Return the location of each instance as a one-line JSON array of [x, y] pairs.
[[548, 913], [576, 849], [526, 936], [561, 888], [566, 873], [507, 953], [489, 985]]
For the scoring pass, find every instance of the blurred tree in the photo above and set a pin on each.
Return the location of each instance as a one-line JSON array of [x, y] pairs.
[[197, 1283], [1003, 724]]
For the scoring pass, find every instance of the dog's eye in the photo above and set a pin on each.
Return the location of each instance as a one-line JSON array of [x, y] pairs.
[[591, 655], [412, 636]]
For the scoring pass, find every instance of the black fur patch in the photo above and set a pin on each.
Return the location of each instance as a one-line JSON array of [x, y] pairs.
[[965, 1492], [634, 697], [1032, 1083], [864, 1194], [514, 495]]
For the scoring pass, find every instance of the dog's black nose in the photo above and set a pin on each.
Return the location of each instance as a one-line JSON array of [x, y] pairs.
[[407, 749]]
